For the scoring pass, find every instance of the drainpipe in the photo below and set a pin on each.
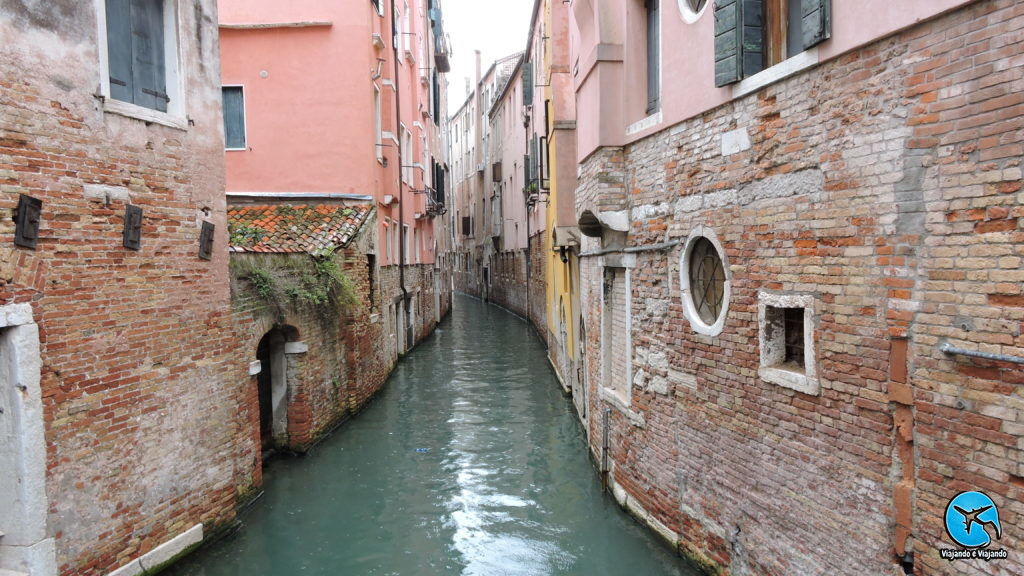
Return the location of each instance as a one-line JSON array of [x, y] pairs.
[[401, 201]]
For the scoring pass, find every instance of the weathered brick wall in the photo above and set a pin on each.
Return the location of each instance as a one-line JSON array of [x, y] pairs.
[[332, 380], [887, 185], [537, 284], [142, 379], [508, 281]]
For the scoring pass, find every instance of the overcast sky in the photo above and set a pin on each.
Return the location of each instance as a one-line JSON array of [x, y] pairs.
[[495, 27]]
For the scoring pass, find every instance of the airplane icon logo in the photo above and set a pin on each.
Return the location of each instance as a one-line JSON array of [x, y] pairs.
[[968, 515]]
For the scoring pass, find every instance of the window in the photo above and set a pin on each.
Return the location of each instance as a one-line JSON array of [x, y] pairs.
[[378, 135], [692, 10], [405, 242], [141, 58], [234, 117], [379, 6], [786, 338], [751, 35], [653, 55], [705, 282], [407, 155]]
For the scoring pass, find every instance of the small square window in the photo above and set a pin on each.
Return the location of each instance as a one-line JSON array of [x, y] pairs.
[[786, 338]]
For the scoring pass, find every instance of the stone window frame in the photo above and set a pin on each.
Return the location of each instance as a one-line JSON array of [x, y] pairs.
[[689, 308], [769, 342], [621, 399], [176, 115]]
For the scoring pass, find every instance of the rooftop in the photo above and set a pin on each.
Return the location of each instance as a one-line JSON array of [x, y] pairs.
[[281, 228]]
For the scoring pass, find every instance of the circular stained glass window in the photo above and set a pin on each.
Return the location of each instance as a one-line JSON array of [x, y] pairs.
[[707, 280]]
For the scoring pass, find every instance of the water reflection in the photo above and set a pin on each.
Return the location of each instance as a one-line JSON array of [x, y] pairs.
[[470, 462]]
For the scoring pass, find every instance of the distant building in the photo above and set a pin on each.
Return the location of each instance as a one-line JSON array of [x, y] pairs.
[[121, 382], [801, 274], [493, 224]]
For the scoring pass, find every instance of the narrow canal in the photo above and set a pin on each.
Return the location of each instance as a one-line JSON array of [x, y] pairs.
[[470, 462]]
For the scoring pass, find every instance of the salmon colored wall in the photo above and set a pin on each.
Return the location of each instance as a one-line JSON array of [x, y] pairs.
[[309, 104]]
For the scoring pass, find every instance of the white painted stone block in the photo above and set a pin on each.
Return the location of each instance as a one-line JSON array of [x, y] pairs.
[[735, 141]]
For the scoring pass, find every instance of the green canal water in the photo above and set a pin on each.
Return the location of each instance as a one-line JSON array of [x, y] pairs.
[[469, 462]]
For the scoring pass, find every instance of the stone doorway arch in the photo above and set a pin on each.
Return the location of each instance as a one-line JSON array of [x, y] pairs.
[[272, 382]]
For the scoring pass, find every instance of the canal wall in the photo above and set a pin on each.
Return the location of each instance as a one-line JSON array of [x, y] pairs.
[[864, 211]]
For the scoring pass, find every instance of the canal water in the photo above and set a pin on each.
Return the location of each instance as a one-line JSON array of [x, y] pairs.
[[469, 462]]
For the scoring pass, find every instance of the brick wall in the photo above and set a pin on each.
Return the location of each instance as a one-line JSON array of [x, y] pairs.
[[141, 376], [886, 184]]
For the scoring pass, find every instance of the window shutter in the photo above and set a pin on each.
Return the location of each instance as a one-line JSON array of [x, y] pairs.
[[727, 42], [119, 49], [148, 67], [234, 117], [527, 83], [752, 45], [817, 22], [653, 57]]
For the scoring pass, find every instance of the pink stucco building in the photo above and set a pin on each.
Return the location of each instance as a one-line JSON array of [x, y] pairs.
[[345, 100]]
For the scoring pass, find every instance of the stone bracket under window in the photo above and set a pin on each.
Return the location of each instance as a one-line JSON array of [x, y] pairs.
[[786, 328]]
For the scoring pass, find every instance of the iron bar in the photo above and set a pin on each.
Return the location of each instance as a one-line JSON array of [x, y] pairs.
[[947, 348]]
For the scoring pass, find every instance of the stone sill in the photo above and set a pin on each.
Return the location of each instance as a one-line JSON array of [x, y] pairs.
[[145, 114], [622, 405], [790, 379]]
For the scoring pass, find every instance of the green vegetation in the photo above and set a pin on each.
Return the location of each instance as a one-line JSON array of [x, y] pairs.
[[295, 282], [244, 236]]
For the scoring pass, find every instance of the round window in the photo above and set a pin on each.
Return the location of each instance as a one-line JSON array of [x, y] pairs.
[[707, 280], [704, 279], [692, 9]]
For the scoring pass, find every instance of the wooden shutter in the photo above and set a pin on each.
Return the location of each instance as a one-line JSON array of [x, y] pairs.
[[234, 117], [653, 56], [817, 22], [727, 42], [148, 62], [527, 83], [752, 46], [739, 40], [119, 49]]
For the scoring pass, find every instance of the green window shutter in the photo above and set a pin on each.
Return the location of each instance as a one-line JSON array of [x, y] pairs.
[[234, 117], [527, 83], [148, 62], [752, 46], [119, 49], [727, 42], [817, 22]]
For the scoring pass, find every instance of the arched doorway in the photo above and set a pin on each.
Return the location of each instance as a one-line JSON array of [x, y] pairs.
[[273, 383]]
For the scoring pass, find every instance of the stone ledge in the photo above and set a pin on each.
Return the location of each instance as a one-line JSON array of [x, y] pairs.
[[162, 554]]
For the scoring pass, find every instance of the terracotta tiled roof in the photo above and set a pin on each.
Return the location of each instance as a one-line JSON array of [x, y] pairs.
[[285, 228]]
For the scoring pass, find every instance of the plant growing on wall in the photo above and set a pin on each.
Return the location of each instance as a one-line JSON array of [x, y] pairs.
[[295, 283]]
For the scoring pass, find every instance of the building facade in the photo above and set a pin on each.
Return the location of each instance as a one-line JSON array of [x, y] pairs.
[[801, 275], [122, 440], [345, 100]]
